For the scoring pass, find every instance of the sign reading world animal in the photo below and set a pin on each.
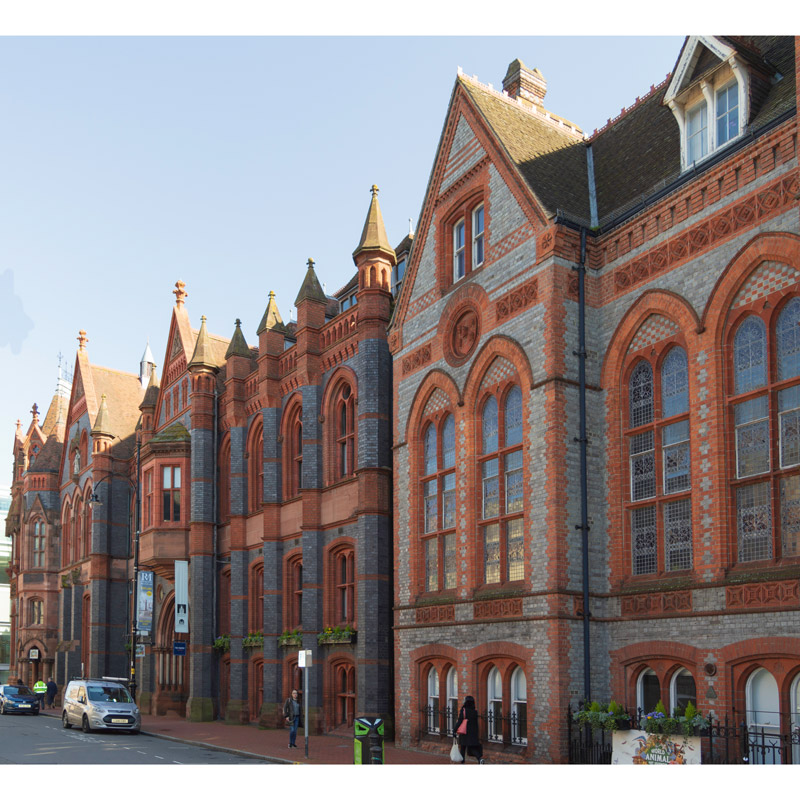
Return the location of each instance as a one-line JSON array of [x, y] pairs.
[[640, 747]]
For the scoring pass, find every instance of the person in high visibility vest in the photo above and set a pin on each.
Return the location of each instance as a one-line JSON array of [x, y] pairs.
[[40, 688]]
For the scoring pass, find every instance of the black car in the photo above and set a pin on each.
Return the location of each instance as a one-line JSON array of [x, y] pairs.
[[18, 700]]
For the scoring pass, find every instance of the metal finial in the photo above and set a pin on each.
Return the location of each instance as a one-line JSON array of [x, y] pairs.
[[82, 340], [311, 263], [238, 323], [180, 293], [202, 319], [374, 189]]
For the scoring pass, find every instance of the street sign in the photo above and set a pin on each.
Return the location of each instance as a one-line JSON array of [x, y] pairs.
[[144, 602], [179, 648], [181, 597]]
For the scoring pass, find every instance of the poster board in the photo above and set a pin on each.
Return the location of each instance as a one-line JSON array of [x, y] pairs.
[[640, 747]]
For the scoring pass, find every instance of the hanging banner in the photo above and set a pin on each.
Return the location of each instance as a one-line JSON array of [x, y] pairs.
[[640, 747], [144, 603], [181, 597]]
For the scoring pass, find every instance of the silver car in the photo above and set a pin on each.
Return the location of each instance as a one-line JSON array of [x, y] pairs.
[[100, 705]]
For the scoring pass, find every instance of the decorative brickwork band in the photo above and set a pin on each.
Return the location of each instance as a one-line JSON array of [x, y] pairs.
[[761, 595], [430, 614], [489, 609], [521, 235], [768, 278], [516, 300], [419, 358], [421, 303], [743, 215], [644, 605]]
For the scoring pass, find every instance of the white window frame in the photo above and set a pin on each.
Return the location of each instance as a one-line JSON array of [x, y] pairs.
[[494, 705], [763, 723], [452, 699], [717, 91], [673, 692], [433, 700], [459, 252], [478, 236], [519, 736], [640, 689], [702, 134]]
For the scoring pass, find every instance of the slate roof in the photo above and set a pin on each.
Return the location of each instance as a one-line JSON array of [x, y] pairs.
[[551, 160]]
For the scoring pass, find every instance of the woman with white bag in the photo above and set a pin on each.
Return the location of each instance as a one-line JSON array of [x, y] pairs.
[[467, 732]]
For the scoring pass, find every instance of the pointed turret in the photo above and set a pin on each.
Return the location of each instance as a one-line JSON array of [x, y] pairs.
[[203, 355], [272, 317], [373, 237], [146, 365], [151, 393], [310, 290], [102, 423], [238, 345], [19, 436]]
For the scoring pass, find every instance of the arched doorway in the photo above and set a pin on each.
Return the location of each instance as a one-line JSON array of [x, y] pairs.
[[763, 718]]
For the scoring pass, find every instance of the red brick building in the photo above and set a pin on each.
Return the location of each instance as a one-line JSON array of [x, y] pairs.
[[670, 437]]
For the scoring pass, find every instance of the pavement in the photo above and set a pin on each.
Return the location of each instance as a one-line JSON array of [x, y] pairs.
[[268, 745]]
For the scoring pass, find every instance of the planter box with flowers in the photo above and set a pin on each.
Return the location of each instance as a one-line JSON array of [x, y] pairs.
[[253, 641], [291, 639], [690, 723], [337, 635], [611, 717], [222, 644]]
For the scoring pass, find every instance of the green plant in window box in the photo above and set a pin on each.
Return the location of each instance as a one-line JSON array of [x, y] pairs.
[[609, 717], [692, 721], [290, 638], [253, 640], [337, 635], [222, 644]]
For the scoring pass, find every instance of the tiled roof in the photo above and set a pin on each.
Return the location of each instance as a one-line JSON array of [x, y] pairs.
[[49, 457], [552, 160], [123, 393]]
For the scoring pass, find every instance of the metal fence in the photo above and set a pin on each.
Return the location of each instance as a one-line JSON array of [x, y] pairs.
[[493, 726], [726, 740]]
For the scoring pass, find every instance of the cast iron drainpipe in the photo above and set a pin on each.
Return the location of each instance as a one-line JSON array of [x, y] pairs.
[[584, 526]]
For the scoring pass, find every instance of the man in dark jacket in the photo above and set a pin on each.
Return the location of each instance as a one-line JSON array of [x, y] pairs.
[[52, 691], [291, 711]]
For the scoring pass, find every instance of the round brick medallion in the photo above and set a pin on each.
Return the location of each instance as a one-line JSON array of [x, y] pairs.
[[463, 335]]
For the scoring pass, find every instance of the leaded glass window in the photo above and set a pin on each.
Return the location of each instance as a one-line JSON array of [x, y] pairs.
[[432, 565], [430, 501], [678, 535], [676, 456], [643, 537], [489, 427], [491, 553], [513, 482], [430, 450], [752, 437], [790, 516], [491, 489], [449, 442], [787, 333], [754, 522], [515, 547], [675, 383], [789, 426], [750, 356], [643, 466], [513, 420], [449, 501], [449, 561], [640, 390]]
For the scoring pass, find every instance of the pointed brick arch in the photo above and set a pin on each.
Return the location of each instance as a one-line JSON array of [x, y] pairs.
[[436, 379], [498, 346]]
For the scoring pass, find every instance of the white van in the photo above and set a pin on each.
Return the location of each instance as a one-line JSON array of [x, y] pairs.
[[100, 705]]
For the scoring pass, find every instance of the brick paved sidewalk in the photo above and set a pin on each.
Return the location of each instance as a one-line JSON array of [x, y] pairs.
[[270, 745]]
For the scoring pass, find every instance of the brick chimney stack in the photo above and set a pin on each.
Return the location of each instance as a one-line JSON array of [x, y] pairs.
[[527, 84]]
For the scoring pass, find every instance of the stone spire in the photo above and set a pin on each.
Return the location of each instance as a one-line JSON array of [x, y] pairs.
[[310, 290], [102, 423], [203, 355], [19, 435], [272, 317], [373, 237], [238, 345]]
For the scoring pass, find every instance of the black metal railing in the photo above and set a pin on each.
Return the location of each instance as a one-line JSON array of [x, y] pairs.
[[493, 727], [726, 740]]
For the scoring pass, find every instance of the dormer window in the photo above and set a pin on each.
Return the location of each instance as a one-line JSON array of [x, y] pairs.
[[397, 276], [697, 132], [459, 254], [727, 113]]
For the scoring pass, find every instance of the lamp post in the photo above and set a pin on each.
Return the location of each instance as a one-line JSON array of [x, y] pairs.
[[94, 500]]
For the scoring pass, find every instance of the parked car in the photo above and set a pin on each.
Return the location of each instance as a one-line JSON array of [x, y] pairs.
[[18, 699], [100, 705]]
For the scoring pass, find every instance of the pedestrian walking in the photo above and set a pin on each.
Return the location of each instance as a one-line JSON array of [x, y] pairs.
[[52, 691], [291, 711], [40, 689], [468, 741]]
